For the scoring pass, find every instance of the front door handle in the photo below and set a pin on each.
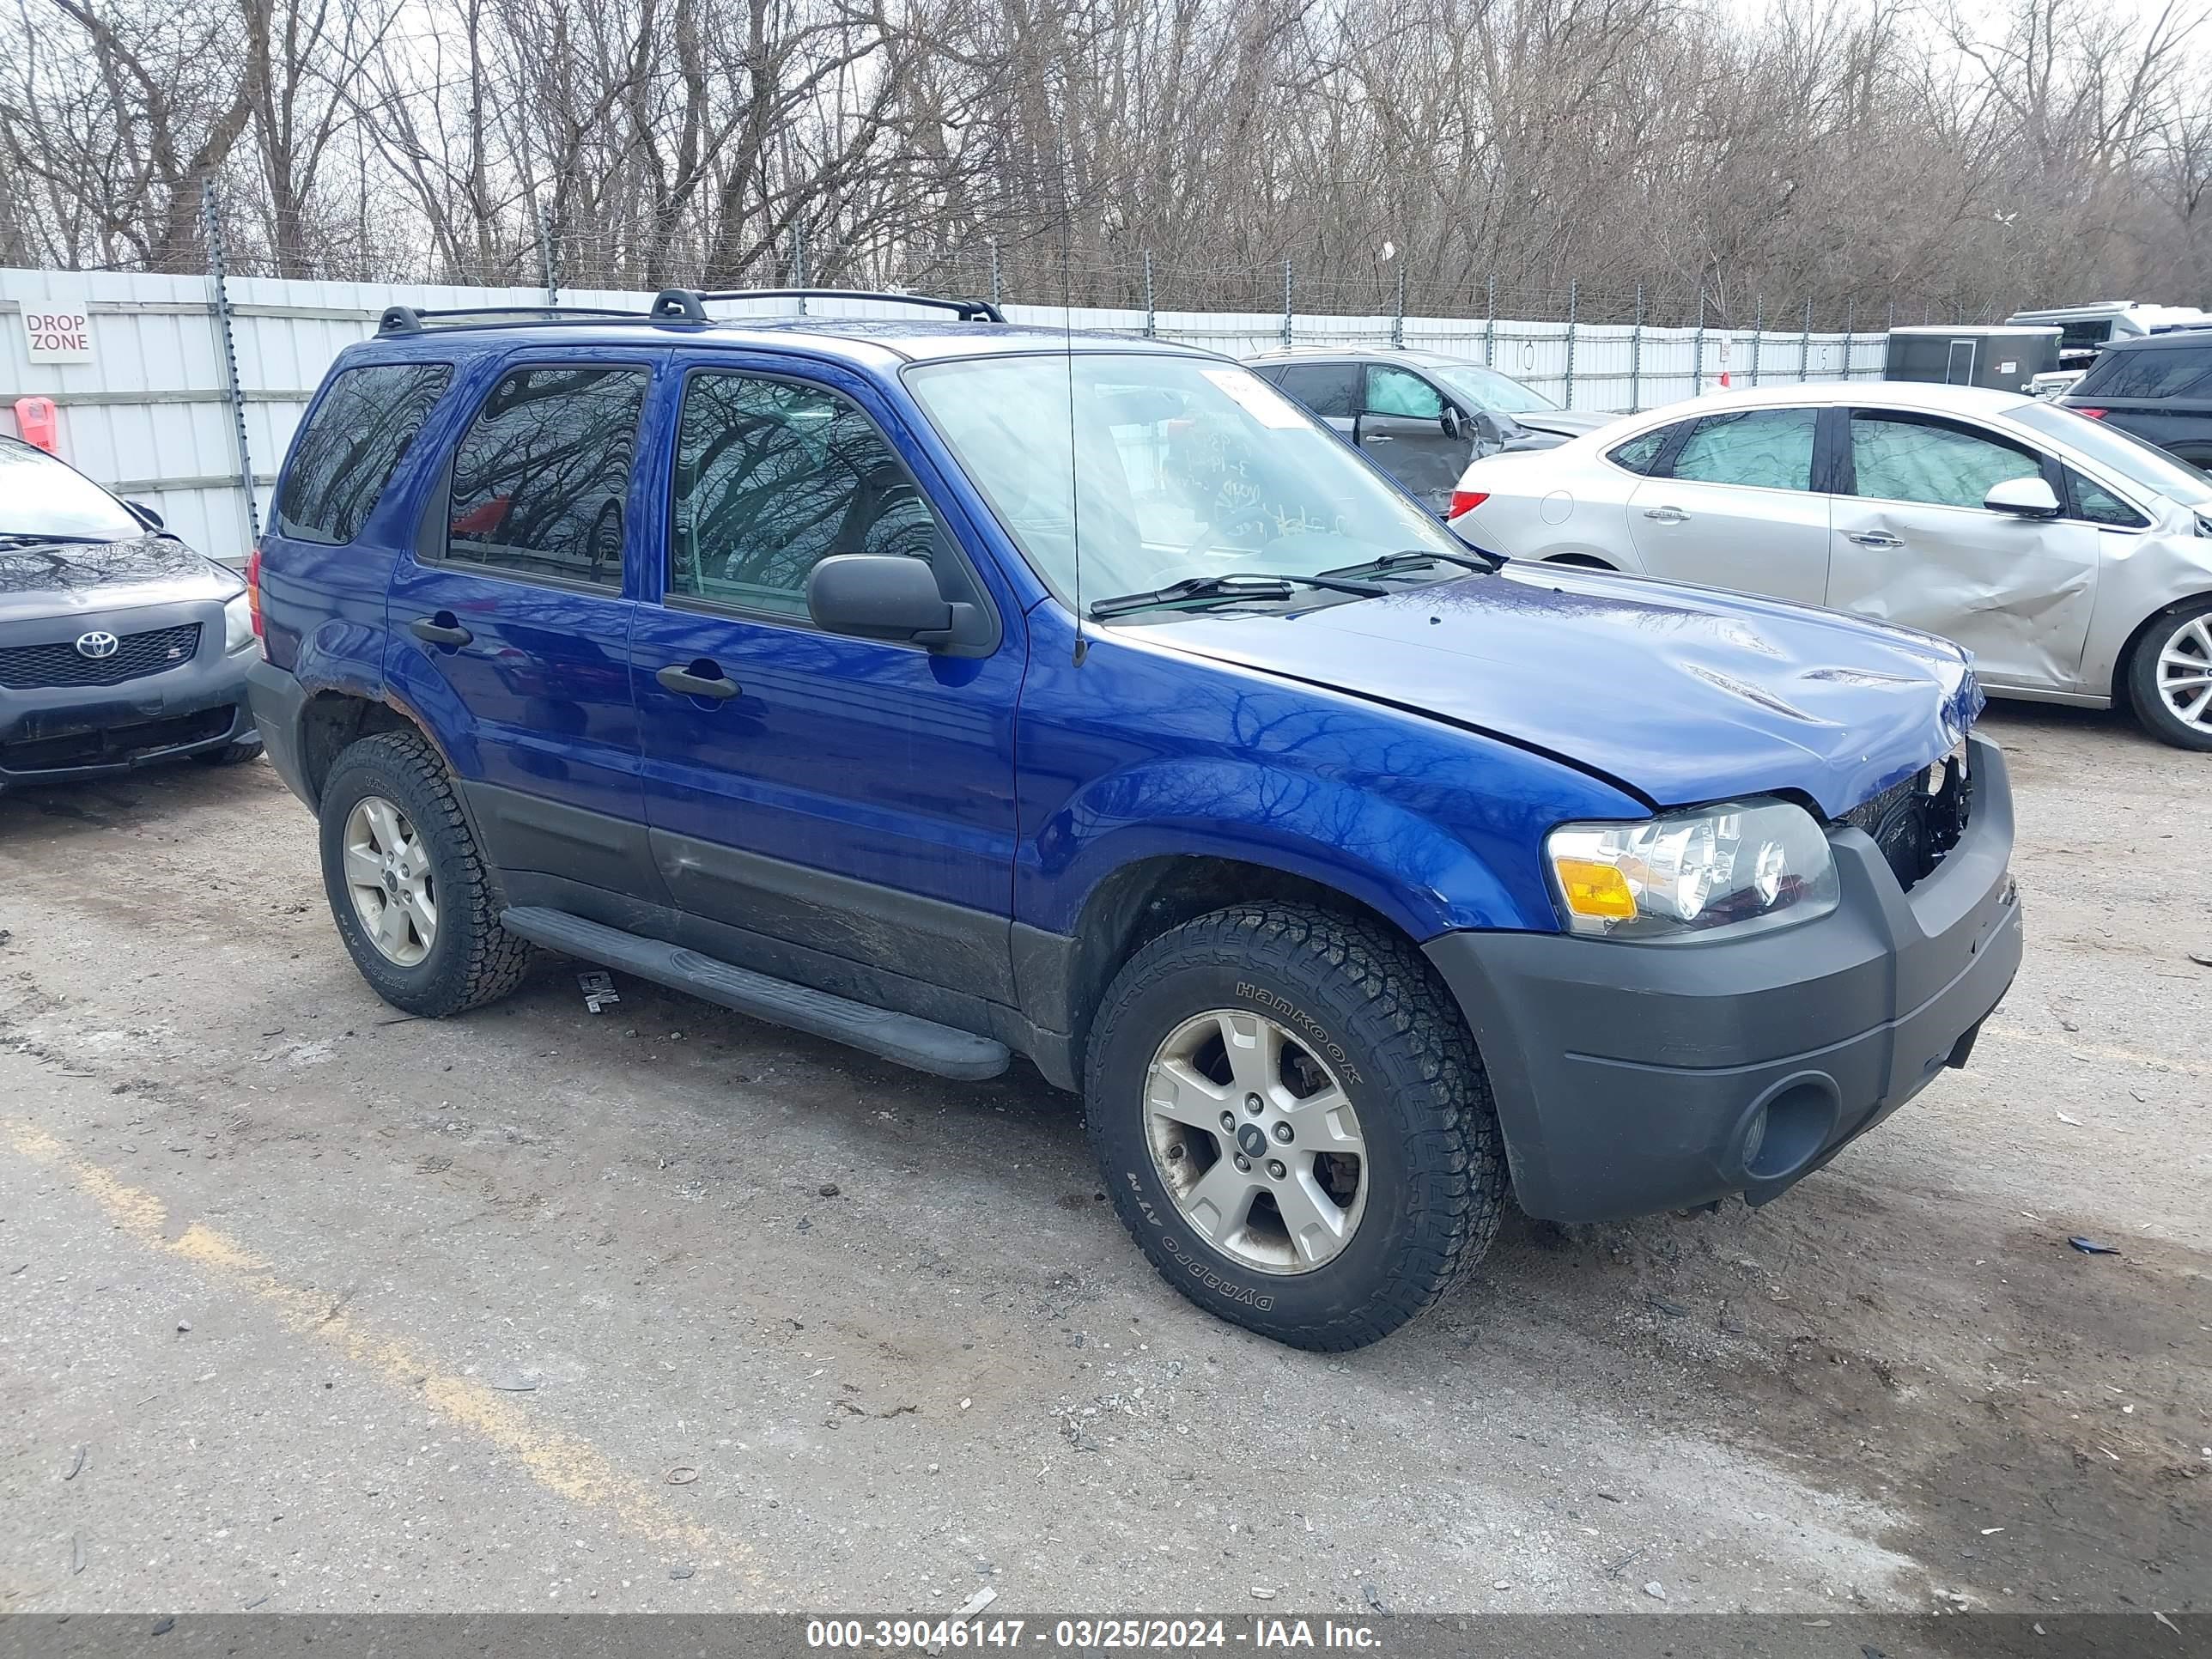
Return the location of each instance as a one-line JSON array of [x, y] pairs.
[[697, 679], [1873, 539], [444, 628], [1667, 514]]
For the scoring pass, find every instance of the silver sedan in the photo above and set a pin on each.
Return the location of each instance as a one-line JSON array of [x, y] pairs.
[[2074, 562]]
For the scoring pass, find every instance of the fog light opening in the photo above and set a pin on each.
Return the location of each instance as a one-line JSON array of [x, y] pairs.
[[1786, 1129]]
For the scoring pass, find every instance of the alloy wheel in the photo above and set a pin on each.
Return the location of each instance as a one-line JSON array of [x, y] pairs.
[[2184, 672], [1255, 1141], [387, 874]]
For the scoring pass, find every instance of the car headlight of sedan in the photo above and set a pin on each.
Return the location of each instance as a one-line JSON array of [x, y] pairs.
[[1740, 868], [237, 622]]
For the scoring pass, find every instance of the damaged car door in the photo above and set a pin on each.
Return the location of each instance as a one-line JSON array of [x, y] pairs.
[[1919, 538]]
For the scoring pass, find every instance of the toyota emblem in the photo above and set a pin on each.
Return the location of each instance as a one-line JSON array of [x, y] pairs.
[[97, 645]]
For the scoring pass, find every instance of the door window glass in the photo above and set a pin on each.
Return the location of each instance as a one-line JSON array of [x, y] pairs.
[[773, 478], [1327, 389], [541, 475], [1761, 448], [347, 452], [1895, 458], [1394, 391]]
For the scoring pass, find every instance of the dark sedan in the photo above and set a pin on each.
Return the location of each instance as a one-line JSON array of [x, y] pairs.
[[1421, 415], [119, 646]]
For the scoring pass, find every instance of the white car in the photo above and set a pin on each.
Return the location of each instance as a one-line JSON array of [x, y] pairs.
[[2074, 562]]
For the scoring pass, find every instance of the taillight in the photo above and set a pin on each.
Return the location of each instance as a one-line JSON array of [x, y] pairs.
[[1465, 500], [2093, 414], [253, 588]]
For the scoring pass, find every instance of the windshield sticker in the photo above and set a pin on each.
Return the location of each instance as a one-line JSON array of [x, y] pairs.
[[1258, 399]]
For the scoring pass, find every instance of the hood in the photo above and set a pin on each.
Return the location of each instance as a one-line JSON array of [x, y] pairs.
[[68, 578], [1566, 422], [1681, 695]]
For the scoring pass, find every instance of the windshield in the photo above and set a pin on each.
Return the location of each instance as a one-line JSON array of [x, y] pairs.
[[1182, 467], [40, 496], [2128, 456], [1486, 389]]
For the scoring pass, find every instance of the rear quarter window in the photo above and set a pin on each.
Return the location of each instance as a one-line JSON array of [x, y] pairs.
[[1641, 453], [2150, 371], [348, 450]]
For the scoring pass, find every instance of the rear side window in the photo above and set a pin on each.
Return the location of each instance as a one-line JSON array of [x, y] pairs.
[[2149, 371], [1327, 389], [1896, 458], [541, 475], [348, 450], [771, 478], [1758, 448], [1641, 453]]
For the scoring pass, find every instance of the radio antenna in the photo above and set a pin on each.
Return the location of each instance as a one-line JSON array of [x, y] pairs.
[[1066, 192]]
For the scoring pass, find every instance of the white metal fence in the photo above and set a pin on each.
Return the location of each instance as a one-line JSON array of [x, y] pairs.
[[153, 416]]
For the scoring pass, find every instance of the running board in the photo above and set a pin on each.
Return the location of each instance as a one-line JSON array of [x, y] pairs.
[[921, 1043]]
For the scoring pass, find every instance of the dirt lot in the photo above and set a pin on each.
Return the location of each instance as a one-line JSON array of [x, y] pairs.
[[663, 1309]]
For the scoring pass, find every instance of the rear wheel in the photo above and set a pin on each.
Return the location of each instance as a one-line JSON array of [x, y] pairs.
[[1294, 1123], [2169, 676], [411, 895]]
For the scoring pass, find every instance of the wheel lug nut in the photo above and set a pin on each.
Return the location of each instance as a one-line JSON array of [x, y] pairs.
[[1275, 1168], [1244, 1165], [1252, 1103], [1283, 1133], [1229, 1120]]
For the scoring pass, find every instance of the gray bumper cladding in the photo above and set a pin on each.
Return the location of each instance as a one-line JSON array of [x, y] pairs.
[[1633, 1079]]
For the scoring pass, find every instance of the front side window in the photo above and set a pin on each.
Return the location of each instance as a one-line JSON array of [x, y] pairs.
[[1759, 448], [350, 446], [541, 476], [1897, 458], [1330, 390], [1140, 468], [772, 478], [1394, 392]]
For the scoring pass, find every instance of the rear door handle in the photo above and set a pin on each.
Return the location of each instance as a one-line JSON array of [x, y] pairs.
[[444, 628], [1667, 514], [686, 680], [1873, 539]]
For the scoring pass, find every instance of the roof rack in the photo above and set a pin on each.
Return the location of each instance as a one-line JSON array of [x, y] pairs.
[[688, 305], [411, 319]]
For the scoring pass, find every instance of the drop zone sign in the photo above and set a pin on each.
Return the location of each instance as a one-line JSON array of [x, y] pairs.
[[57, 334]]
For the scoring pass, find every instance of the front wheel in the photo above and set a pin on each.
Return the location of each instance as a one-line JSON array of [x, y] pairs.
[[2169, 676], [1294, 1123]]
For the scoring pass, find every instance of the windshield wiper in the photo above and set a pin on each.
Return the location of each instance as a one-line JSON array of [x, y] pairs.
[[29, 538], [1230, 585], [1414, 559]]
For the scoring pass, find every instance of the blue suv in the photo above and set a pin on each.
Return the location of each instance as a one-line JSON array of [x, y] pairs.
[[958, 691]]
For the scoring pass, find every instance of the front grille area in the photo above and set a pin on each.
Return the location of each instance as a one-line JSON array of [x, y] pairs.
[[1913, 828], [113, 743], [60, 664]]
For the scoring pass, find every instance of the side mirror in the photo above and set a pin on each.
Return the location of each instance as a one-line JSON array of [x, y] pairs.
[[883, 595], [1452, 423], [2026, 498], [145, 514]]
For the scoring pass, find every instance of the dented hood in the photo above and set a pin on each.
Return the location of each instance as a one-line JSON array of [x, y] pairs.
[[1683, 695]]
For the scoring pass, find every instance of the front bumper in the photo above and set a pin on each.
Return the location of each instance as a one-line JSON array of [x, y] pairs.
[[1632, 1079], [57, 734]]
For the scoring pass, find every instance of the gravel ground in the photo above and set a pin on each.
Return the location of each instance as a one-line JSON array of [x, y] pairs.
[[311, 1306]]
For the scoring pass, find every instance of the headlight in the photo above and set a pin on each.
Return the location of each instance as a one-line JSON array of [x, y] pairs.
[[237, 623], [1740, 868]]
